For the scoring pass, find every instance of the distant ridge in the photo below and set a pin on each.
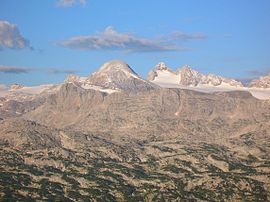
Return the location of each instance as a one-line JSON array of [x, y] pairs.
[[116, 76], [188, 77]]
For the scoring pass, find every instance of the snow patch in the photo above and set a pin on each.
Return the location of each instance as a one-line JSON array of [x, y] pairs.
[[98, 88], [259, 93], [24, 91], [165, 76], [34, 90], [187, 76]]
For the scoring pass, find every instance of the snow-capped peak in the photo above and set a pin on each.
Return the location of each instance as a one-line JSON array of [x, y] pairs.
[[115, 68], [162, 73], [161, 66], [187, 76], [74, 78], [111, 77], [186, 68], [262, 82], [118, 75]]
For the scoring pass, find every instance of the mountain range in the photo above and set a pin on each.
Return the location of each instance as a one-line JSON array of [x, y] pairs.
[[116, 75], [188, 77], [262, 82], [113, 136]]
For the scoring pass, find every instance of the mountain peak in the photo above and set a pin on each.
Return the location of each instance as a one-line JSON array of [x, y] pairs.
[[186, 67], [187, 76], [72, 78], [161, 66], [116, 66], [262, 82], [160, 69], [116, 75]]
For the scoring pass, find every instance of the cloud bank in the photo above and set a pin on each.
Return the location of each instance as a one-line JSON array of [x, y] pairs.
[[20, 70], [69, 3], [60, 71], [254, 74], [110, 39], [186, 36], [13, 70], [10, 37]]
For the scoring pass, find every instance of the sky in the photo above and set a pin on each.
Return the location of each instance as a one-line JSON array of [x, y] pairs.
[[42, 42]]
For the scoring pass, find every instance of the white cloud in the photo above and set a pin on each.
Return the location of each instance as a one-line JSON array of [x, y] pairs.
[[83, 2], [20, 70], [10, 37], [110, 39], [69, 3], [13, 70], [61, 71], [187, 36]]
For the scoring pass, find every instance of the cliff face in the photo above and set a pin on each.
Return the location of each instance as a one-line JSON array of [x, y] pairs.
[[143, 112]]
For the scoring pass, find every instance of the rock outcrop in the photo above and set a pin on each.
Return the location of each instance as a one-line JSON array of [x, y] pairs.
[[262, 82]]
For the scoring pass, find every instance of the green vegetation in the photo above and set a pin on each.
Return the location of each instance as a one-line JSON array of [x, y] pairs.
[[105, 179]]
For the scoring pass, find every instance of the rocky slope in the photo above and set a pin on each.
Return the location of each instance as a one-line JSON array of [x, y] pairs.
[[139, 113], [73, 166], [17, 100], [114, 137]]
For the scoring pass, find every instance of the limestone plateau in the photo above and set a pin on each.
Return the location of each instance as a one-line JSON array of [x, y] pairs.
[[114, 136]]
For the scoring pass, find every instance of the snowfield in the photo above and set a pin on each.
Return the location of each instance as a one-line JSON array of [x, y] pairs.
[[259, 93]]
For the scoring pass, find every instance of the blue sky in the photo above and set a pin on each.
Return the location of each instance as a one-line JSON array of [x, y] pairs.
[[43, 41]]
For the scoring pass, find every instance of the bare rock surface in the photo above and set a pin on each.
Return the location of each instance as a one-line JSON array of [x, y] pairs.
[[116, 137]]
